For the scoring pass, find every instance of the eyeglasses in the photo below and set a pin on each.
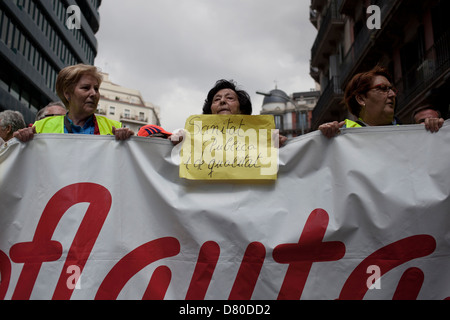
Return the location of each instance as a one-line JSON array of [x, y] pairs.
[[385, 88]]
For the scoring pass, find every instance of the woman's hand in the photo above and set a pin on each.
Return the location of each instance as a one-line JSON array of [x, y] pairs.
[[282, 140], [25, 134], [177, 136], [122, 133], [331, 129], [277, 139]]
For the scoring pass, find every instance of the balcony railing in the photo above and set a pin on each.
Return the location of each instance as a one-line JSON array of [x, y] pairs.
[[363, 41], [435, 64], [124, 117], [331, 19], [331, 91]]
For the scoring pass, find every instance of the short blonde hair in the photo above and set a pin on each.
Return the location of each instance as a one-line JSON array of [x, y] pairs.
[[69, 77]]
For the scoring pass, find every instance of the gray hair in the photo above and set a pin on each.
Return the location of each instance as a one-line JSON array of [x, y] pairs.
[[42, 113], [12, 118]]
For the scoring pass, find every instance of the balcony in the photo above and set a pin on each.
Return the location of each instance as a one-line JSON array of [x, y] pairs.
[[329, 107], [313, 17], [347, 6], [318, 4], [426, 74], [362, 47], [124, 117], [329, 34]]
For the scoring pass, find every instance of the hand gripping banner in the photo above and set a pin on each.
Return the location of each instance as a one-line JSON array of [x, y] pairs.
[[364, 215]]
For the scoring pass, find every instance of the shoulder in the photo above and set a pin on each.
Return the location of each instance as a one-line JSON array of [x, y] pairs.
[[49, 123], [50, 119], [102, 119]]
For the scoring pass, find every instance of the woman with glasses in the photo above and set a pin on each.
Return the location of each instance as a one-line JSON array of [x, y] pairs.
[[371, 98]]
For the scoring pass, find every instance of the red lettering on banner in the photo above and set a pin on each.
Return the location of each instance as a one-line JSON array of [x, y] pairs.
[[301, 256], [204, 269], [43, 249], [5, 272], [386, 259], [134, 262], [248, 272], [409, 285], [159, 282]]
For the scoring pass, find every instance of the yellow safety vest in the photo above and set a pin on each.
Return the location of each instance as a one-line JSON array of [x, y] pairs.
[[56, 125], [351, 124]]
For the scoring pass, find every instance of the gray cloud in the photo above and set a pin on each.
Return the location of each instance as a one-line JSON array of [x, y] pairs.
[[174, 51]]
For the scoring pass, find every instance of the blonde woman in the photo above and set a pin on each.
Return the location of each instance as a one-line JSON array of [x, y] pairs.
[[78, 88]]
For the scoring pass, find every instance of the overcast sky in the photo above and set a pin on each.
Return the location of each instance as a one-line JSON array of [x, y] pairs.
[[173, 51]]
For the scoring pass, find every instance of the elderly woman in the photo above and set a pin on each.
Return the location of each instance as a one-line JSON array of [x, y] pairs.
[[371, 98], [78, 88], [225, 98], [10, 122]]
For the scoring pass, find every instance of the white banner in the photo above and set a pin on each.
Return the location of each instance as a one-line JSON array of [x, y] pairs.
[[365, 215]]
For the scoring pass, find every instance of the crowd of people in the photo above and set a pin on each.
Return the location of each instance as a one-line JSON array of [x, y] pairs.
[[370, 97]]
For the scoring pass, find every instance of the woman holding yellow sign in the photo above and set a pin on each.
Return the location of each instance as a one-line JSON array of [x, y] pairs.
[[225, 99]]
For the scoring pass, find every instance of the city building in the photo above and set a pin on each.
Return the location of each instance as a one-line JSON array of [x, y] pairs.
[[292, 114], [126, 105], [411, 38], [37, 39]]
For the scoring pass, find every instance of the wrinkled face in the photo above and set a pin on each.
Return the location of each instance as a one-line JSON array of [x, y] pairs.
[[225, 101], [378, 103], [5, 133], [85, 96]]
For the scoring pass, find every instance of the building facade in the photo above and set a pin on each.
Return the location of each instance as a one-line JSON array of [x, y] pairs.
[[292, 114], [37, 39], [412, 40], [126, 105]]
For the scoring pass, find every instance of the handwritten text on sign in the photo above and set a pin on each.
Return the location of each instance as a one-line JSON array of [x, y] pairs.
[[218, 147]]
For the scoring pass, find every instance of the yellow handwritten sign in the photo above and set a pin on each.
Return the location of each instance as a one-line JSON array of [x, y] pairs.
[[229, 147]]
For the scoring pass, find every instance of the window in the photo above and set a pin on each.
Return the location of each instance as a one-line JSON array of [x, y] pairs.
[[15, 90], [26, 51], [25, 99], [278, 122], [302, 121], [9, 40], [4, 85], [112, 110], [4, 28], [22, 44]]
